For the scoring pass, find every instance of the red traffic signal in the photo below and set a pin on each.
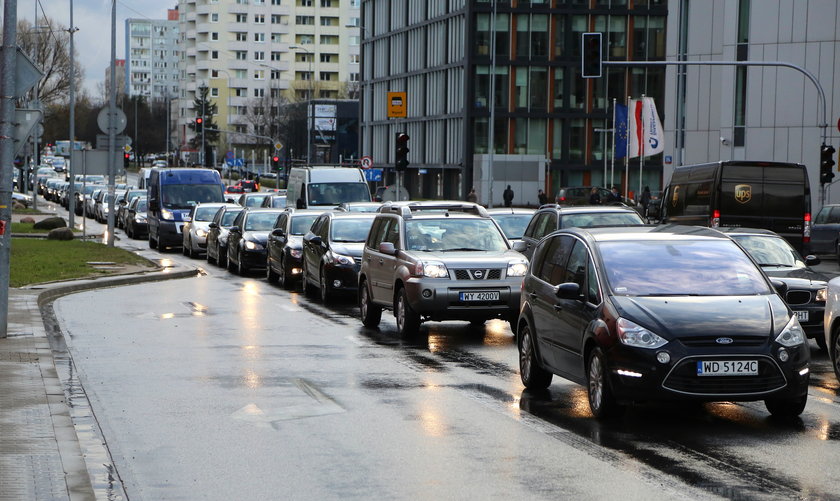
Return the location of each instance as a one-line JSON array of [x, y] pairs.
[[275, 158], [126, 156], [199, 120]]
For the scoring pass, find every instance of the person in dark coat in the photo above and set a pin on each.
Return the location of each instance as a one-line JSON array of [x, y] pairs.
[[507, 196], [646, 198], [542, 197], [594, 197], [472, 196]]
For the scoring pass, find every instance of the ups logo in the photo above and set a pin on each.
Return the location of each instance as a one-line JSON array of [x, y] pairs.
[[676, 196], [743, 193]]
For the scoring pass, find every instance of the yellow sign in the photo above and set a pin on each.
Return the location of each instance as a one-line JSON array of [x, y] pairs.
[[397, 105], [743, 193], [127, 148]]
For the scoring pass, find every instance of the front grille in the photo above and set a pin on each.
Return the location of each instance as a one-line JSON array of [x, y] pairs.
[[706, 341], [683, 378], [798, 297], [478, 274]]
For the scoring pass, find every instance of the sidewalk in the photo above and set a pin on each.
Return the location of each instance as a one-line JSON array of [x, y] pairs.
[[40, 453]]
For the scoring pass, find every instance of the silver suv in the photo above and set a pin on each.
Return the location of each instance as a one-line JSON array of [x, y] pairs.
[[438, 261]]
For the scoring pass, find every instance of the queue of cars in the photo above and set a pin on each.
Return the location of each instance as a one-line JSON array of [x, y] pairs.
[[630, 311]]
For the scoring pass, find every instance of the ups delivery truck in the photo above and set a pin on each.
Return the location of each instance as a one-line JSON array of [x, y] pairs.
[[772, 195]]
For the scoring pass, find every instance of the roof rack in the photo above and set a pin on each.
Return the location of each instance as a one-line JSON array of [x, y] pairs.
[[405, 209]]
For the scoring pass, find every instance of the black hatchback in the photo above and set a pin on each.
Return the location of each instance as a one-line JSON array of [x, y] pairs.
[[658, 313]]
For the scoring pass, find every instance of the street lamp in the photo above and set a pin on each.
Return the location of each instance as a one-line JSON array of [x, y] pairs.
[[308, 104]]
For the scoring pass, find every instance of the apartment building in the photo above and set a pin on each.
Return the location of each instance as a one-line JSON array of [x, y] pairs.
[[256, 55], [151, 55], [548, 122]]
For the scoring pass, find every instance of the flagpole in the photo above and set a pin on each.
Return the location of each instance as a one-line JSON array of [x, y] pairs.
[[612, 163], [627, 154], [642, 145]]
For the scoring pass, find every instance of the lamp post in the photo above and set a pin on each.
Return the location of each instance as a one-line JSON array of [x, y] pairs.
[[308, 104], [203, 99]]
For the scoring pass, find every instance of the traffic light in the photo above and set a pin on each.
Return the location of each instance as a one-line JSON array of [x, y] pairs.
[[401, 160], [826, 163], [275, 163], [199, 124], [590, 55], [125, 159]]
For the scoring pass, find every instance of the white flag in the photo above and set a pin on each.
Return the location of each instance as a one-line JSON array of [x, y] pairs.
[[655, 139], [635, 127]]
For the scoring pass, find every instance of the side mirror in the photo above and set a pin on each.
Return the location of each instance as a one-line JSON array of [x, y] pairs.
[[235, 229], [316, 240], [812, 260], [519, 246], [568, 290], [387, 248], [780, 287], [212, 225], [278, 232]]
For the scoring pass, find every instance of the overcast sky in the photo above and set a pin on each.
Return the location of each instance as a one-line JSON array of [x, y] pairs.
[[93, 19]]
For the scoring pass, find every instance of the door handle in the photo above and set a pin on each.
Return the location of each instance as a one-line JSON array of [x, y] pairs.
[[532, 295]]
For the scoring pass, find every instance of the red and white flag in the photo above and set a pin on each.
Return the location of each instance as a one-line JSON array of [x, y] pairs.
[[645, 136]]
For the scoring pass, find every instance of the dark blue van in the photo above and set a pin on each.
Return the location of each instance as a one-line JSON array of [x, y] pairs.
[[172, 193]]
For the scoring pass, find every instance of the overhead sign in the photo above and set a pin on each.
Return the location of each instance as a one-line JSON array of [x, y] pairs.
[[25, 122], [26, 73], [366, 162], [323, 123], [396, 105]]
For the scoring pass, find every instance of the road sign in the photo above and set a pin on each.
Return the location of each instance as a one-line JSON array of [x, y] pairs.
[[278, 145], [25, 122], [119, 120], [373, 175], [229, 155], [396, 105], [26, 73], [366, 162], [127, 148]]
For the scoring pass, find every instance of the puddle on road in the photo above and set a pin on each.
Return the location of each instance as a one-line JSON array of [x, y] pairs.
[[302, 400]]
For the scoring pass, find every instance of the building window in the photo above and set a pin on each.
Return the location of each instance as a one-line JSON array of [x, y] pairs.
[[305, 20], [259, 37], [214, 73], [276, 37], [275, 74], [331, 40], [354, 39], [242, 74], [303, 75], [214, 36], [327, 3], [259, 75], [259, 55], [214, 17], [329, 58], [214, 92], [328, 76], [241, 55], [276, 19], [275, 2], [577, 139], [242, 18], [259, 18], [354, 77], [354, 59], [275, 56], [329, 21], [214, 55], [304, 3], [241, 37], [259, 92]]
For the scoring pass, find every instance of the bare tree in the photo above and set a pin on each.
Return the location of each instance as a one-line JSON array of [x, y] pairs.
[[48, 45], [265, 116]]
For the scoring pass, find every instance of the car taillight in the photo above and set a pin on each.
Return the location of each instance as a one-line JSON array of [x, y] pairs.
[[715, 223], [806, 228]]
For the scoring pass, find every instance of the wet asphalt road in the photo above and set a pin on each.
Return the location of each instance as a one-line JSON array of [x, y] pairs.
[[225, 387]]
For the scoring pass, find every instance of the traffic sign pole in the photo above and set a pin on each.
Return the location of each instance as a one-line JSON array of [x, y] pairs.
[[7, 157]]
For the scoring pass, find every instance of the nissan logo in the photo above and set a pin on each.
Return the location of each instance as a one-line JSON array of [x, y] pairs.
[[724, 340], [478, 273]]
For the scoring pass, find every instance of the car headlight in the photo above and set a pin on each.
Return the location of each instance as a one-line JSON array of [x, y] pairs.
[[105, 209], [139, 219], [517, 269], [822, 295], [633, 334], [792, 334], [431, 269], [295, 253], [167, 215], [340, 259], [251, 245], [200, 233]]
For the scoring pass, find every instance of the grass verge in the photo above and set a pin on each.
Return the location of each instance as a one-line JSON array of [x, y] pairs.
[[34, 260], [28, 228]]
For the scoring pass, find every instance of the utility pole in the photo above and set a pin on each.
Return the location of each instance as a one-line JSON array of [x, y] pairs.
[[7, 151], [72, 200], [112, 125], [201, 89]]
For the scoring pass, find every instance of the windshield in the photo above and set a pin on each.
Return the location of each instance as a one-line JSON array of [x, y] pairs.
[[513, 224], [90, 188], [255, 201], [350, 229], [588, 220], [770, 251], [205, 213], [141, 206], [336, 193], [679, 268], [229, 216], [260, 221], [184, 196], [448, 234], [302, 223], [278, 202]]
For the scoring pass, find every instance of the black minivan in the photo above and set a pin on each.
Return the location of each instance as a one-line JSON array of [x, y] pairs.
[[774, 196]]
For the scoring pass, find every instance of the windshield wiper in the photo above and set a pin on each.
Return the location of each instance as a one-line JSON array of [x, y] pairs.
[[461, 249], [776, 264]]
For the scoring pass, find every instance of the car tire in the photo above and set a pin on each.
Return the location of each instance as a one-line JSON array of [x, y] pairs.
[[270, 275], [229, 264], [786, 408], [326, 294], [371, 314], [601, 399], [533, 376], [210, 259], [408, 321], [820, 339], [282, 278], [513, 319], [152, 242], [222, 258], [308, 289], [185, 247], [241, 269]]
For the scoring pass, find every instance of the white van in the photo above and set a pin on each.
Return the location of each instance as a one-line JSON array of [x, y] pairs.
[[143, 179], [325, 187]]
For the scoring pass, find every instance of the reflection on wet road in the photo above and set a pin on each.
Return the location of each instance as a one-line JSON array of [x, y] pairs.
[[190, 376]]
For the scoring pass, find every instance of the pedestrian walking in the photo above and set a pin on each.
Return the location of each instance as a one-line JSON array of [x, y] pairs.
[[646, 198], [614, 195], [507, 196], [472, 196], [542, 197], [594, 197]]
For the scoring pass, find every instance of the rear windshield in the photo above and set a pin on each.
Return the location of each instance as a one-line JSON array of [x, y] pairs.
[[205, 213], [255, 201], [336, 193], [260, 221], [229, 216], [680, 268], [350, 229], [513, 224], [302, 223], [589, 220]]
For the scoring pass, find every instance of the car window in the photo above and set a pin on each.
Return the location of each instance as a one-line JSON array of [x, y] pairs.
[[552, 261], [531, 230], [548, 223], [680, 268], [393, 234], [282, 219], [770, 251], [141, 206], [301, 223], [350, 230], [240, 216], [229, 217], [575, 269], [205, 213], [260, 221], [834, 215], [255, 201], [588, 220], [513, 224], [593, 293], [377, 232], [822, 215]]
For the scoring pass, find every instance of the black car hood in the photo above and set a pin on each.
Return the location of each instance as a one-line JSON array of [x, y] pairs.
[[689, 317], [348, 249], [797, 278], [256, 236]]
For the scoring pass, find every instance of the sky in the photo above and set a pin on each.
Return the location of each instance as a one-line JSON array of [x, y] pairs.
[[93, 20]]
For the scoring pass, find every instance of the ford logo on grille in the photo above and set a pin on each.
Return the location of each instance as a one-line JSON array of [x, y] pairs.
[[478, 273], [724, 340]]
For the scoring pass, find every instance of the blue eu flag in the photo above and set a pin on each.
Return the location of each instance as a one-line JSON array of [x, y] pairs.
[[620, 126]]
